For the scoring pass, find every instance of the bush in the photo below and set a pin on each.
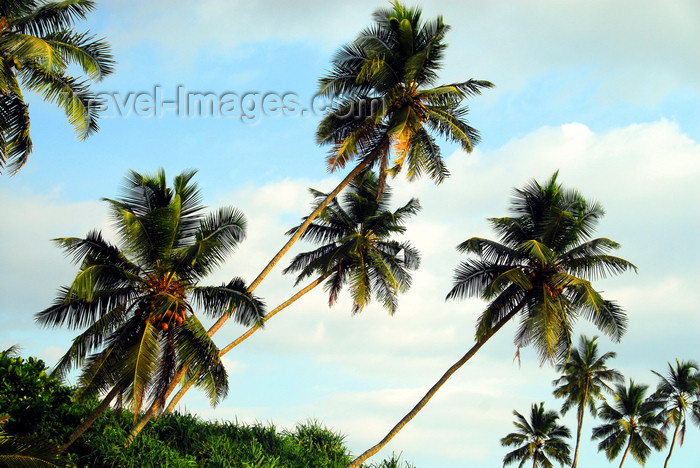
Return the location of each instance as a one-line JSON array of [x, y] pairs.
[[36, 403]]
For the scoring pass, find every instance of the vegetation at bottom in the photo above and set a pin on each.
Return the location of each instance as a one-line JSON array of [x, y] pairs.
[[40, 412]]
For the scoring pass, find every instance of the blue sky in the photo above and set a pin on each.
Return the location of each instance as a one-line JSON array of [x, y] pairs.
[[605, 92]]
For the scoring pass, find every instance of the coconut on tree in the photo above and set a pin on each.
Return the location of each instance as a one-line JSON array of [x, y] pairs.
[[138, 300]]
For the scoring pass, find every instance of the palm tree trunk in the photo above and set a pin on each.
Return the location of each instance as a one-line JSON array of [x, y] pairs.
[[90, 419], [365, 162], [673, 442], [626, 450], [411, 414], [534, 459], [581, 411], [245, 336]]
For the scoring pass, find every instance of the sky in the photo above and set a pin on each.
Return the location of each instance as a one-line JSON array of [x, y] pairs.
[[604, 92]]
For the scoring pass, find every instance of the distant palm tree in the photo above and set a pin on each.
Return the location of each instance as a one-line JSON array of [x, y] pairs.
[[358, 250], [585, 377], [539, 270], [136, 299], [540, 439], [680, 395], [37, 46], [632, 422]]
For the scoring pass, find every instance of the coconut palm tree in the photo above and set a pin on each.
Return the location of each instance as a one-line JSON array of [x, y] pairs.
[[539, 270], [632, 422], [680, 394], [540, 439], [586, 376], [357, 249], [37, 46], [137, 299], [383, 102]]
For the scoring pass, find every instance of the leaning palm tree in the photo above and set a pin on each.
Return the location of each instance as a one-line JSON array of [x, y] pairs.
[[680, 394], [37, 47], [586, 376], [539, 270], [384, 102], [540, 439], [137, 299], [632, 422], [357, 249]]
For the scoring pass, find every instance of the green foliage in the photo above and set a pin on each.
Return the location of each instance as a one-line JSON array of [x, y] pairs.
[[179, 440], [358, 246], [137, 297], [541, 266], [38, 46], [36, 403], [540, 439]]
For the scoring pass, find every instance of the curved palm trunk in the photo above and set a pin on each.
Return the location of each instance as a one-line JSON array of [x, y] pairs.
[[626, 450], [534, 459], [411, 414], [673, 442], [581, 411], [247, 334], [90, 419], [365, 162]]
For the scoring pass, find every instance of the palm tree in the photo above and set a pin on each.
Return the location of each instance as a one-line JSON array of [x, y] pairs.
[[632, 423], [680, 394], [539, 270], [540, 439], [585, 377], [379, 87], [357, 249], [138, 298], [37, 46]]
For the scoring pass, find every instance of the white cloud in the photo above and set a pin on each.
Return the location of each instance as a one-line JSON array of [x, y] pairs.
[[636, 52]]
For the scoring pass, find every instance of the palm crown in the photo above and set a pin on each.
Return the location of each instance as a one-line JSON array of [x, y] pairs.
[[137, 299], [382, 99], [539, 439], [679, 392], [37, 45], [586, 376], [632, 424], [539, 269], [357, 246]]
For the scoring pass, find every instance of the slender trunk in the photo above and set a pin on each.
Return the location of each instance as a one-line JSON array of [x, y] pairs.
[[90, 419], [296, 236], [245, 336], [411, 414], [673, 442], [581, 411], [534, 459], [626, 450]]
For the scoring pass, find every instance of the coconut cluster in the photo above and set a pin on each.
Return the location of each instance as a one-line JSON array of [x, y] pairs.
[[174, 316]]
